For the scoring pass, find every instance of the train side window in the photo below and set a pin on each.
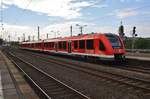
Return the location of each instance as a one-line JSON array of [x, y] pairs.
[[75, 44], [60, 45], [49, 44], [90, 44], [45, 45], [32, 45], [82, 44], [101, 46], [52, 45], [37, 44], [64, 45]]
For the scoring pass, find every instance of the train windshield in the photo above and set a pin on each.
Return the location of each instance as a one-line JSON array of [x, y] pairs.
[[115, 42]]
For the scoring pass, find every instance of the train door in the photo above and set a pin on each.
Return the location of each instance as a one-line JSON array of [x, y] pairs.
[[42, 45], [69, 47], [56, 46]]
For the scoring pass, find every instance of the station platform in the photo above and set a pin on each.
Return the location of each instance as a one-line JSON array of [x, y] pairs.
[[138, 56], [12, 83]]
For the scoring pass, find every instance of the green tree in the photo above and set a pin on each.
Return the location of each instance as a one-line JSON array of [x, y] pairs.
[[142, 43], [1, 41]]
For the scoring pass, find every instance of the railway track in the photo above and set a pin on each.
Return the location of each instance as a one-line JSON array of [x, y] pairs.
[[50, 87], [137, 69], [128, 67], [136, 83], [131, 65]]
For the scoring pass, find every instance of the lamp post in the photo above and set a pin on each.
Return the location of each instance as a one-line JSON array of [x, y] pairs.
[[29, 38], [71, 30], [48, 35], [24, 37], [55, 33], [81, 28], [18, 39], [38, 32]]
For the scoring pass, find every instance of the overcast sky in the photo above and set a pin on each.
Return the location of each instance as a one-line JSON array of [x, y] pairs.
[[104, 16]]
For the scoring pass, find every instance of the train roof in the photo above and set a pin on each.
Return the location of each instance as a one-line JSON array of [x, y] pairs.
[[32, 42], [79, 37]]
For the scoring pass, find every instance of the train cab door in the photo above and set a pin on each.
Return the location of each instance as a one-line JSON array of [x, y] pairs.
[[69, 47]]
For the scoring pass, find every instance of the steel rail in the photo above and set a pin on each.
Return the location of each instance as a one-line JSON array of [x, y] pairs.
[[88, 70], [136, 69], [79, 93], [29, 78]]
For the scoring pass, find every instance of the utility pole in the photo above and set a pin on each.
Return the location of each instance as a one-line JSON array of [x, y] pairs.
[[121, 30], [81, 30], [9, 38], [33, 38], [38, 33], [55, 34], [24, 37], [71, 30], [29, 38], [18, 39], [47, 35]]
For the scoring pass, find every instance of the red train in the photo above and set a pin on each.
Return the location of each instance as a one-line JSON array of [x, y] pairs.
[[103, 46]]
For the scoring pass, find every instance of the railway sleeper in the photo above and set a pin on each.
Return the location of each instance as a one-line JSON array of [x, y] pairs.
[[67, 96], [58, 93], [56, 89]]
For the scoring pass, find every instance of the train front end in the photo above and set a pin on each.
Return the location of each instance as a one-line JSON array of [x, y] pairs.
[[115, 46]]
